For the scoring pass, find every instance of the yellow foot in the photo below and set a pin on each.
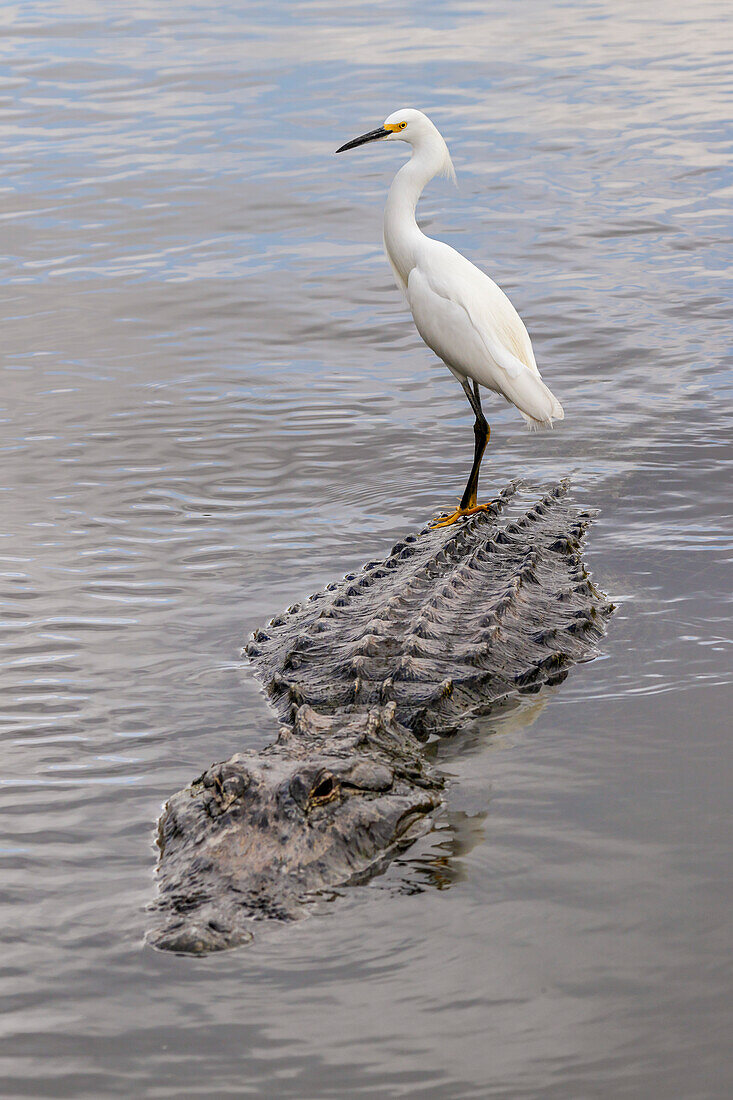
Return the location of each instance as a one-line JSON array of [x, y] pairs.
[[460, 513]]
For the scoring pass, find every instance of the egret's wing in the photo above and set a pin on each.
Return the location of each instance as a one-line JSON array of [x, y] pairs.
[[446, 282], [495, 319]]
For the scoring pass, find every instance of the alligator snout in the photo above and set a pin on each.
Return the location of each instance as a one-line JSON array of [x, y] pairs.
[[199, 932]]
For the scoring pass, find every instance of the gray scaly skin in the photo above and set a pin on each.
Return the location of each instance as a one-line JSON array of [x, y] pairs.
[[454, 623]]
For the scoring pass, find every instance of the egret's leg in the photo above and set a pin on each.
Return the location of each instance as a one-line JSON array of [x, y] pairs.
[[481, 432]]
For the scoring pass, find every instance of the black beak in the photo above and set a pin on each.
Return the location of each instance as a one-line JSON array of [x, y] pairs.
[[373, 135]]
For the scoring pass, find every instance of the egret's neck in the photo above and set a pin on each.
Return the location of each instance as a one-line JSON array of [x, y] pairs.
[[402, 235]]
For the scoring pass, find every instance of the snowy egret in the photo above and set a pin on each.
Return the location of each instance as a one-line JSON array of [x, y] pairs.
[[461, 314]]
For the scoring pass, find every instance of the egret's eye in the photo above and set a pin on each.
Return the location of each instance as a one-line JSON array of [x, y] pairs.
[[325, 790], [402, 125]]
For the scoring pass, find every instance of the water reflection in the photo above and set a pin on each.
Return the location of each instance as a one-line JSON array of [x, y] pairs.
[[457, 832]]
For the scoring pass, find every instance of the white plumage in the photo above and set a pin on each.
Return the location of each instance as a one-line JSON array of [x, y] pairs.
[[460, 313]]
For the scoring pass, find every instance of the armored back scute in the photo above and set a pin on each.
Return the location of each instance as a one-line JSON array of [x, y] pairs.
[[452, 622]]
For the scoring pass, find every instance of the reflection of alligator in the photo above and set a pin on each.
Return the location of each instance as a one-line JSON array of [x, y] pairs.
[[453, 623]]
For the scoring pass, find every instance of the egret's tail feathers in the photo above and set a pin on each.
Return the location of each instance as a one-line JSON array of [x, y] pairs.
[[536, 425], [536, 403]]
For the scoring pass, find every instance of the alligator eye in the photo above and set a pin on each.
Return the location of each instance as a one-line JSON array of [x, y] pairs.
[[325, 789]]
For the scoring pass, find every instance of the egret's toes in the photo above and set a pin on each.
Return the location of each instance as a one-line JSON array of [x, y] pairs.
[[446, 521], [460, 513]]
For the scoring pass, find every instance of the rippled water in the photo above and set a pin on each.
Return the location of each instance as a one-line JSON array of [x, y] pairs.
[[213, 403]]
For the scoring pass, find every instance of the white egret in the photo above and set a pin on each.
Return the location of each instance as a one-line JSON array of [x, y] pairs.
[[461, 314]]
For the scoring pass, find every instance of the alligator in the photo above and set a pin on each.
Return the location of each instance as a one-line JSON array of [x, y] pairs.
[[454, 623]]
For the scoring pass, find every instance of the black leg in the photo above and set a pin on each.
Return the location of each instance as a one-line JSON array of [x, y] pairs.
[[481, 432]]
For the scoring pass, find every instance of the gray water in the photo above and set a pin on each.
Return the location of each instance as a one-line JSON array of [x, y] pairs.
[[213, 402]]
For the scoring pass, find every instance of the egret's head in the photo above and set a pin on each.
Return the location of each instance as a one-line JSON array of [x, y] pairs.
[[417, 130]]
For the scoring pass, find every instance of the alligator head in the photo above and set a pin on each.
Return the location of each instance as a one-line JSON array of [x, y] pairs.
[[262, 834]]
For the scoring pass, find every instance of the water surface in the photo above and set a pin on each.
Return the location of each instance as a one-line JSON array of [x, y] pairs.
[[213, 403]]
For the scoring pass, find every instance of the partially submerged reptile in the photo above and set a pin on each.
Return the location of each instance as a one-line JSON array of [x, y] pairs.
[[455, 622]]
